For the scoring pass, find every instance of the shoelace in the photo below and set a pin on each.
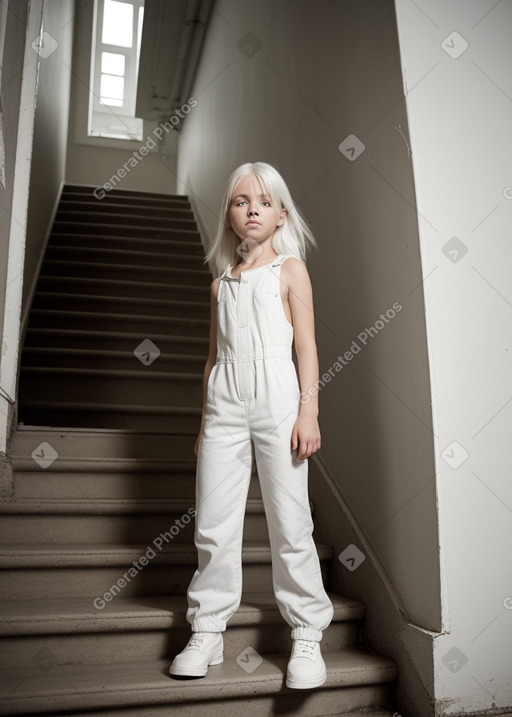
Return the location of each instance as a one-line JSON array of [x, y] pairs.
[[196, 641], [306, 647]]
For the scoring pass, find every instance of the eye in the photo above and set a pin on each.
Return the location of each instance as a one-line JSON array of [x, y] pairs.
[[266, 203], [242, 201]]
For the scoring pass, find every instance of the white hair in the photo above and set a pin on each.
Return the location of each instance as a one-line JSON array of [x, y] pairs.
[[294, 237]]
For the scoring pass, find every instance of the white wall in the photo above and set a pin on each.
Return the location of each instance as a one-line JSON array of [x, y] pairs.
[[92, 164], [460, 118], [322, 71]]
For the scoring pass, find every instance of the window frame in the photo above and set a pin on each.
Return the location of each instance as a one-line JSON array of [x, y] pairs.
[[125, 114]]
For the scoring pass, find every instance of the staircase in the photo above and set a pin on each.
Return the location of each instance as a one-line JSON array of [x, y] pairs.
[[96, 546]]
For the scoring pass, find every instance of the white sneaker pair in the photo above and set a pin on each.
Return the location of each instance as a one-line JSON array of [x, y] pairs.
[[306, 667], [203, 649]]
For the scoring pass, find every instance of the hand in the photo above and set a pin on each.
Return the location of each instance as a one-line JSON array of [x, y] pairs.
[[306, 436]]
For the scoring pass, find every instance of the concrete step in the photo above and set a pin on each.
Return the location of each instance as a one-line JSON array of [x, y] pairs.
[[77, 570], [133, 207], [115, 341], [173, 244], [128, 288], [78, 631], [102, 216], [108, 416], [254, 685], [126, 272], [107, 359], [99, 449], [144, 383], [126, 230], [111, 485], [86, 193], [125, 256], [135, 306], [126, 323], [91, 521]]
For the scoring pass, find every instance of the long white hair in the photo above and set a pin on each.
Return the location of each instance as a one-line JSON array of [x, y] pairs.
[[294, 237]]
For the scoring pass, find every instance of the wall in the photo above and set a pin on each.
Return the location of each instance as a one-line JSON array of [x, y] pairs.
[[283, 106], [50, 136], [93, 161], [459, 95], [19, 83], [288, 85]]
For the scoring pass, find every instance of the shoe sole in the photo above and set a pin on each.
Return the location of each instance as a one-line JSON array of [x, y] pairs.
[[306, 684], [195, 672]]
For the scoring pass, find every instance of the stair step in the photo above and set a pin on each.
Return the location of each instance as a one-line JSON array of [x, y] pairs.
[[125, 256], [125, 272], [90, 320], [153, 388], [106, 359], [100, 216], [136, 306], [108, 416], [126, 208], [355, 680], [77, 570], [78, 631], [180, 230], [172, 244], [105, 340], [83, 191], [103, 450], [119, 287], [91, 521]]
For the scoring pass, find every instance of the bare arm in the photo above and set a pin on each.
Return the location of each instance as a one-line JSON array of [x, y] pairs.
[[306, 434], [212, 353]]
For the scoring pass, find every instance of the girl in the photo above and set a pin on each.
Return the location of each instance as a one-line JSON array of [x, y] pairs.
[[260, 304]]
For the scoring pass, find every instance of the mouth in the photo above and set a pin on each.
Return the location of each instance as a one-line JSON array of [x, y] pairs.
[[252, 223]]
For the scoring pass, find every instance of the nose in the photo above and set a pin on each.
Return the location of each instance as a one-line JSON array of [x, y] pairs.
[[252, 211]]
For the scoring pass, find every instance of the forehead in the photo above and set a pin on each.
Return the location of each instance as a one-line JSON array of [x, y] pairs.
[[251, 184]]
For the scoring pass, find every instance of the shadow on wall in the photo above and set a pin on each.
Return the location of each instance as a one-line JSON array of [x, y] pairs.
[[316, 90]]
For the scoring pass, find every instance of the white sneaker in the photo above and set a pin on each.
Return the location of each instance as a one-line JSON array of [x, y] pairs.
[[306, 667], [203, 649]]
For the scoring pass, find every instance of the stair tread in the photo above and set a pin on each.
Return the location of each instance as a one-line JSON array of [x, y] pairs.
[[58, 555], [70, 615], [125, 683], [105, 506]]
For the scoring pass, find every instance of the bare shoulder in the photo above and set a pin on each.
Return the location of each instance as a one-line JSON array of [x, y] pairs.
[[214, 287], [294, 271]]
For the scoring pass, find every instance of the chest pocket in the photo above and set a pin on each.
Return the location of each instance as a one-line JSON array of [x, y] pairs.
[[268, 302]]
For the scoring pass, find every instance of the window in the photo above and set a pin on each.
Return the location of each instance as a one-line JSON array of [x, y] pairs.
[[114, 67]]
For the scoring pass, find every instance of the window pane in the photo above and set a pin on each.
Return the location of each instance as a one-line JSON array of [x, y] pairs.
[[112, 64], [117, 23], [112, 88]]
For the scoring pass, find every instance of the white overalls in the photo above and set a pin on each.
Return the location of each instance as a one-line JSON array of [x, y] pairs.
[[253, 395]]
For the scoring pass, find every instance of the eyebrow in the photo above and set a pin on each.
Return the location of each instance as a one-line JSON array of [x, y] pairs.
[[245, 196]]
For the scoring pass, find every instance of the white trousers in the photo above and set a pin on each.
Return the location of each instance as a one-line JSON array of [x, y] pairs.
[[224, 469]]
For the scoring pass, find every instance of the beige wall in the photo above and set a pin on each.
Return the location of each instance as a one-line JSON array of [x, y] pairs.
[[12, 66], [459, 102], [96, 162], [326, 70], [50, 136]]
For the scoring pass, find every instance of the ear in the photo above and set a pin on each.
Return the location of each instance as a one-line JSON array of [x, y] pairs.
[[282, 217]]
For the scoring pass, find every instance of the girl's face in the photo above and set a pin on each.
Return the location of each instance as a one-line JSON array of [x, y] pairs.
[[251, 212]]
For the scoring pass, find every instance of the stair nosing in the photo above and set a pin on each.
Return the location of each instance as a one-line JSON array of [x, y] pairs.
[[69, 615]]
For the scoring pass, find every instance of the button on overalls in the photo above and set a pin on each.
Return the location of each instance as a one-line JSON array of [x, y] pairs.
[[253, 397]]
